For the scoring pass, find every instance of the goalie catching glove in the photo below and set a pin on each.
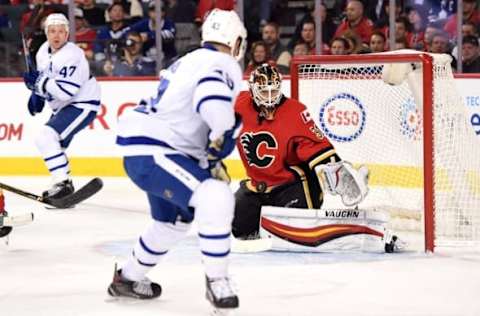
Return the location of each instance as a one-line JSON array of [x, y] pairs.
[[343, 179]]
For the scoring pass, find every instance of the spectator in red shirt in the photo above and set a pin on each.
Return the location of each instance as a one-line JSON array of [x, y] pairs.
[[470, 13], [355, 21], [84, 35], [205, 6], [31, 19], [418, 17]]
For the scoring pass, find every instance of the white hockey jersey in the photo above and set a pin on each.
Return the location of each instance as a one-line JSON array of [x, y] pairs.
[[193, 105], [70, 81]]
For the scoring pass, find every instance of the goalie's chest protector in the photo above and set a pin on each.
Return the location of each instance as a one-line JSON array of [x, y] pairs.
[[268, 147]]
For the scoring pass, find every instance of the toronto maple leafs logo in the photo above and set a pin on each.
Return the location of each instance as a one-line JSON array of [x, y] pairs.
[[251, 144]]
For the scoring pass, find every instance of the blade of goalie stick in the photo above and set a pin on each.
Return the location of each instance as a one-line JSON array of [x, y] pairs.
[[251, 245], [85, 192], [16, 220]]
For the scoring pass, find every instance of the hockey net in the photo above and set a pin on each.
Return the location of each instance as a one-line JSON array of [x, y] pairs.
[[415, 137]]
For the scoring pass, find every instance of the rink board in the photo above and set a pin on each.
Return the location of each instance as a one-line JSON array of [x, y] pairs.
[[93, 151]]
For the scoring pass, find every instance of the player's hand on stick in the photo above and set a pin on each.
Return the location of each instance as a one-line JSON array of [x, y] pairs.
[[30, 78], [343, 179], [218, 170], [35, 104]]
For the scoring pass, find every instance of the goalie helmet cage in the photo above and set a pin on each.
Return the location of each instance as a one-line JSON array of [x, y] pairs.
[[415, 136]]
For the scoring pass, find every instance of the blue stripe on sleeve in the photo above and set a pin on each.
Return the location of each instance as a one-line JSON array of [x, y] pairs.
[[68, 82], [209, 79], [212, 97], [64, 90]]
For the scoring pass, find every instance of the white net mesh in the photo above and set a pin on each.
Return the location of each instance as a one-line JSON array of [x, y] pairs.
[[380, 125]]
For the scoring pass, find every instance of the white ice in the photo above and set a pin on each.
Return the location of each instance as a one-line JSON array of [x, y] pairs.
[[62, 263]]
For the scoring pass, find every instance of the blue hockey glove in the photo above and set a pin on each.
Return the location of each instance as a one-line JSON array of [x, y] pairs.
[[224, 145], [35, 104], [30, 78]]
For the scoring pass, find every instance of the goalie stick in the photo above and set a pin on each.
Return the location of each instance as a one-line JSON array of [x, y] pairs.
[[89, 189], [251, 245]]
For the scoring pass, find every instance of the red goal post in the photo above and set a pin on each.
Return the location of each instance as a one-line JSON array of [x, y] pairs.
[[359, 112]]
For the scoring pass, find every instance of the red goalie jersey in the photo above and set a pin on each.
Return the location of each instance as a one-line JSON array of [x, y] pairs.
[[275, 151]]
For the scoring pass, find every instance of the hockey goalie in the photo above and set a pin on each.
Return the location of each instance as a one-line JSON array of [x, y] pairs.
[[291, 166]]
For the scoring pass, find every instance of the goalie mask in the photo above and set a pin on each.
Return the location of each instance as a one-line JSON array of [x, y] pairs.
[[265, 83]]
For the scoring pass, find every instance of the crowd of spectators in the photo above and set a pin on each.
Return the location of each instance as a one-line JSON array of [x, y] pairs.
[[118, 36]]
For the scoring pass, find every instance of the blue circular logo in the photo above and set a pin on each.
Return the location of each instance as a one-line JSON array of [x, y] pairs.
[[342, 117], [411, 124]]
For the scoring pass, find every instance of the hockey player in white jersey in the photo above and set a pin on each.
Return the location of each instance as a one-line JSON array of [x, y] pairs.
[[173, 145], [62, 80]]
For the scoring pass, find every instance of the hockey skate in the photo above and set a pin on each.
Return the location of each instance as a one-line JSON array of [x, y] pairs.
[[59, 190], [143, 289], [394, 244], [222, 296]]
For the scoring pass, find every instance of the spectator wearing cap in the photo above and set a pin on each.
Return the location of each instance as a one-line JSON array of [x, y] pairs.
[[95, 16], [356, 22], [470, 13], [109, 37], [470, 55], [132, 62], [146, 27], [84, 35]]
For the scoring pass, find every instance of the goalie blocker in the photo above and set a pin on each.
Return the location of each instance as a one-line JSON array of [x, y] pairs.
[[327, 230]]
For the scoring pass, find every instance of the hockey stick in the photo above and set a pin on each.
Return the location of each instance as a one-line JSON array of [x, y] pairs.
[[26, 53], [89, 189], [251, 245], [16, 220]]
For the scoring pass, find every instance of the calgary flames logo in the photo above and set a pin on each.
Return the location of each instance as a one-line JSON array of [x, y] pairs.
[[255, 147]]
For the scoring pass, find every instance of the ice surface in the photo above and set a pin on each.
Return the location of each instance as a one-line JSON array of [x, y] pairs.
[[62, 263]]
